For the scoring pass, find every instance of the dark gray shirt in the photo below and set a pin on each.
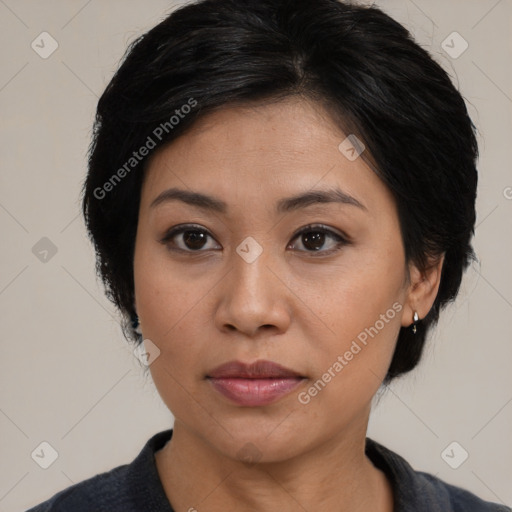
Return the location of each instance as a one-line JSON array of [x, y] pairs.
[[136, 487]]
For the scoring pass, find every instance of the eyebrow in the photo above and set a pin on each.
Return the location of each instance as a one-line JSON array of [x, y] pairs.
[[205, 202]]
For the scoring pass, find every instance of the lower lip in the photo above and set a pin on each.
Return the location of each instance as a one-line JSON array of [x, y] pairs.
[[255, 392]]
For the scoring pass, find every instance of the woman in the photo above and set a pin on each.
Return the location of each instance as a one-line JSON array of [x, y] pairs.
[[281, 195]]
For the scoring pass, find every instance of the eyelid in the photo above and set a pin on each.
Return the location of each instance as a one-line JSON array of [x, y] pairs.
[[323, 229]]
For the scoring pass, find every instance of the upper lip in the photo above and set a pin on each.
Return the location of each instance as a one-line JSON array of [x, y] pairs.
[[258, 370]]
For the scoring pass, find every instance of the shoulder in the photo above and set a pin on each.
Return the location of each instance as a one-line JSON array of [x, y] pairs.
[[460, 500], [422, 492], [101, 492], [127, 488]]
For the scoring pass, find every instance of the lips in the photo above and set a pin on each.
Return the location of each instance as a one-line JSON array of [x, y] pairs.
[[256, 384], [257, 370]]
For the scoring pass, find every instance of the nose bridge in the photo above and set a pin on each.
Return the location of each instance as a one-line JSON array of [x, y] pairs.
[[251, 277], [252, 296]]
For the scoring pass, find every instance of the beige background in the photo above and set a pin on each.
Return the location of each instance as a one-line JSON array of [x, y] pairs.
[[67, 375]]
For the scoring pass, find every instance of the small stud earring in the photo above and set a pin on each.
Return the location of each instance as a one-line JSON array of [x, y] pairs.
[[415, 319], [136, 325]]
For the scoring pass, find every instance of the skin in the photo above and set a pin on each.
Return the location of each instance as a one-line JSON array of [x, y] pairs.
[[292, 305]]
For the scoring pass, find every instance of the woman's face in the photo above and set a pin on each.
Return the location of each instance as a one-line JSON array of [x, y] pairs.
[[241, 283]]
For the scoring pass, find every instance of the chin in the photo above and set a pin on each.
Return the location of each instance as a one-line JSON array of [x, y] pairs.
[[252, 441]]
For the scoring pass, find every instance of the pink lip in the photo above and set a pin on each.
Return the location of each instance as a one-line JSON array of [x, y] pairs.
[[259, 383]]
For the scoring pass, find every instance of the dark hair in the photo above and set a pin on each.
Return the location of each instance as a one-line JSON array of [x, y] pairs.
[[363, 66]]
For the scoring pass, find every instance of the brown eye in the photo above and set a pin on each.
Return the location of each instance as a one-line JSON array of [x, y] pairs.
[[188, 239], [313, 240], [318, 239], [194, 239]]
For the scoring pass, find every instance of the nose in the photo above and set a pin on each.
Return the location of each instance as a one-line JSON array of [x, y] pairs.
[[253, 298]]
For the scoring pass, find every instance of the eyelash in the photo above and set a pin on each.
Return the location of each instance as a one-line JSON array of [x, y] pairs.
[[311, 228]]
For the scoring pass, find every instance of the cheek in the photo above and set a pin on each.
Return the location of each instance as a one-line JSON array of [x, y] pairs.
[[169, 312], [363, 334], [173, 309], [355, 295], [362, 309], [350, 368], [163, 298]]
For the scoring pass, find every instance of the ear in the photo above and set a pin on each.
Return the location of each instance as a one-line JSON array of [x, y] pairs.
[[422, 290]]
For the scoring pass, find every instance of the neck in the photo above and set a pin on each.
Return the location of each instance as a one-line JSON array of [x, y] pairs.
[[335, 476]]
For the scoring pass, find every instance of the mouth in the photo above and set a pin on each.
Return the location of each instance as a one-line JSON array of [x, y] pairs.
[[256, 384]]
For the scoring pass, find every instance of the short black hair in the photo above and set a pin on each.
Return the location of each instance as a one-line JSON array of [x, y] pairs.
[[374, 80]]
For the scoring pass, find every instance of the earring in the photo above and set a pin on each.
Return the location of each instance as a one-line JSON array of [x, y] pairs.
[[136, 325], [415, 319]]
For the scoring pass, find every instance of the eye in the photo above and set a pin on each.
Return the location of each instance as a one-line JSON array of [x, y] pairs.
[[188, 238], [313, 238]]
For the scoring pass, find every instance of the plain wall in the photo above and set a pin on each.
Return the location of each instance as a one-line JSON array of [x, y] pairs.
[[67, 375]]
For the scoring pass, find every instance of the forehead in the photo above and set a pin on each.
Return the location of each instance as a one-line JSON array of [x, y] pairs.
[[261, 151], [235, 133]]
